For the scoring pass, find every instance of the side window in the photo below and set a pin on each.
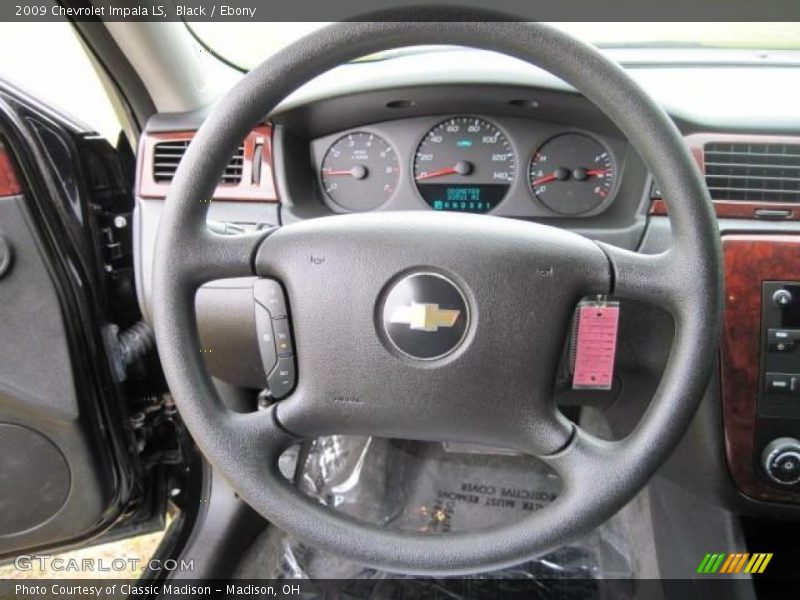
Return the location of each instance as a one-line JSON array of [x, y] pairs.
[[48, 61]]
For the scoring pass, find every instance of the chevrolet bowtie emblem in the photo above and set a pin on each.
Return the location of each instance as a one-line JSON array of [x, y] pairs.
[[424, 317]]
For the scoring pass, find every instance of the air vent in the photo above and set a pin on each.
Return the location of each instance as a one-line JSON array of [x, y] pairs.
[[752, 171], [167, 155]]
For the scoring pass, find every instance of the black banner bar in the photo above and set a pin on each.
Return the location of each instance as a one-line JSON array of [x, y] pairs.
[[321, 10], [710, 587]]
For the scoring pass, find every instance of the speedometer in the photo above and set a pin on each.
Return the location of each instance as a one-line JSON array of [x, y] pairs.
[[464, 164]]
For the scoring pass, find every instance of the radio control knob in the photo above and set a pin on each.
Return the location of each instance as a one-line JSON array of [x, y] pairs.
[[781, 461], [782, 298]]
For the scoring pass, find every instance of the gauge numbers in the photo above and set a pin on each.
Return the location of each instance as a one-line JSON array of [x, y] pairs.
[[572, 173], [360, 171], [464, 164]]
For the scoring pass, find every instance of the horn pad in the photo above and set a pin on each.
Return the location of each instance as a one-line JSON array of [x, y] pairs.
[[424, 316]]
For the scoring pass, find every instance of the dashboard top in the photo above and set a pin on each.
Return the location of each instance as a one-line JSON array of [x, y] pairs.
[[703, 89], [398, 102]]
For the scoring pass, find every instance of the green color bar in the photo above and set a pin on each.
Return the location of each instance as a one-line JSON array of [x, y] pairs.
[[702, 566], [711, 562], [718, 564], [715, 562]]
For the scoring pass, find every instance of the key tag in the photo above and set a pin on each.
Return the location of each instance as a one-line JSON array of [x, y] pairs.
[[595, 344]]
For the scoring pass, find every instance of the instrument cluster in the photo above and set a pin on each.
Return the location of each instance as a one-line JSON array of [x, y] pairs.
[[469, 163]]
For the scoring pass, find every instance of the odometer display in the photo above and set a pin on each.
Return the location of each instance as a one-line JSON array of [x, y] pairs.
[[464, 164]]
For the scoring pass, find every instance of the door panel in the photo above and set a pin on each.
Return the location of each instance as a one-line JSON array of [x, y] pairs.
[[68, 463], [55, 481]]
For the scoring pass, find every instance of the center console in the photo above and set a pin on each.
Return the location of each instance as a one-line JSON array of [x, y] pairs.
[[761, 364]]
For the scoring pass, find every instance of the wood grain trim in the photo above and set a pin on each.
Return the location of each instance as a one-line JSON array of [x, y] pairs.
[[749, 260], [9, 182], [261, 191], [736, 209]]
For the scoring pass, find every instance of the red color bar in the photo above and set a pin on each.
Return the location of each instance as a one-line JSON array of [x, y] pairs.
[[9, 183]]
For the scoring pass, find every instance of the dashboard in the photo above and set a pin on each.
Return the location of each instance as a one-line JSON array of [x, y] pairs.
[[530, 148], [469, 163]]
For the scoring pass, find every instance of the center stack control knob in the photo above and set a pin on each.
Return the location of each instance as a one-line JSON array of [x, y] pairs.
[[782, 298], [781, 461]]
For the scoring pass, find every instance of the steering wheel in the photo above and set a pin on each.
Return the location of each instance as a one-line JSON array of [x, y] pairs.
[[519, 283]]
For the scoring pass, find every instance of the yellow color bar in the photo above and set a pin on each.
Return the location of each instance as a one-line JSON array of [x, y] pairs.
[[758, 563], [766, 561]]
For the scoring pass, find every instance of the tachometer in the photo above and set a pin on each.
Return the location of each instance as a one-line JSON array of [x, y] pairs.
[[464, 164], [360, 171], [572, 173]]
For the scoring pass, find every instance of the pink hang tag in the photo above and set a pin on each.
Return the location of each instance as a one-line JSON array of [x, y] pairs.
[[595, 345]]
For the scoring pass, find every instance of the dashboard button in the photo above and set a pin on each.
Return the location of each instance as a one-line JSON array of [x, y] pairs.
[[782, 340], [283, 337], [269, 294], [281, 379], [780, 383]]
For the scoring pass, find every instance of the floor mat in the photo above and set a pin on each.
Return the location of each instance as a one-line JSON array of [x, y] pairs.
[[414, 486]]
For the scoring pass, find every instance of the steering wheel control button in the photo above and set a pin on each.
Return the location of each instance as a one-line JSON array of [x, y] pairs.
[[425, 316], [283, 337], [269, 294], [282, 378], [266, 338], [781, 461], [595, 345], [274, 337]]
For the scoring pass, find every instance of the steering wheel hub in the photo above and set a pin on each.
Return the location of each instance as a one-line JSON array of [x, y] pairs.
[[425, 316]]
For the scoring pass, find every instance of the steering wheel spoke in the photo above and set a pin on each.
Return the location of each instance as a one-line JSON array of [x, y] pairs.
[[582, 459], [215, 256], [648, 278]]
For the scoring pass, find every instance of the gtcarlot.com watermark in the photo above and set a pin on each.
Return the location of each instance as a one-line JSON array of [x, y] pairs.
[[57, 564]]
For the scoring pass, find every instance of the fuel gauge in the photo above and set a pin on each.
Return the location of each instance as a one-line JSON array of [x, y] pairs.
[[572, 173]]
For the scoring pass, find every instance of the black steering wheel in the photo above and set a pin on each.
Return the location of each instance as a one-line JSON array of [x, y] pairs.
[[496, 388]]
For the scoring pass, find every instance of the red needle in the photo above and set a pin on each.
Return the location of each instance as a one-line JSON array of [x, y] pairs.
[[439, 173], [545, 179], [553, 176], [340, 172]]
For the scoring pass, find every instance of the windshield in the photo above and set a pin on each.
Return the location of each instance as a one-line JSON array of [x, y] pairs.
[[245, 45]]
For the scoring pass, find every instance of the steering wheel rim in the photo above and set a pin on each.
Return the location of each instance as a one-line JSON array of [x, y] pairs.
[[598, 477]]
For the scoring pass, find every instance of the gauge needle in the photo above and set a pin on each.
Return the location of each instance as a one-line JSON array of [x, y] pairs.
[[462, 167], [563, 174], [358, 171], [545, 179], [437, 173]]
